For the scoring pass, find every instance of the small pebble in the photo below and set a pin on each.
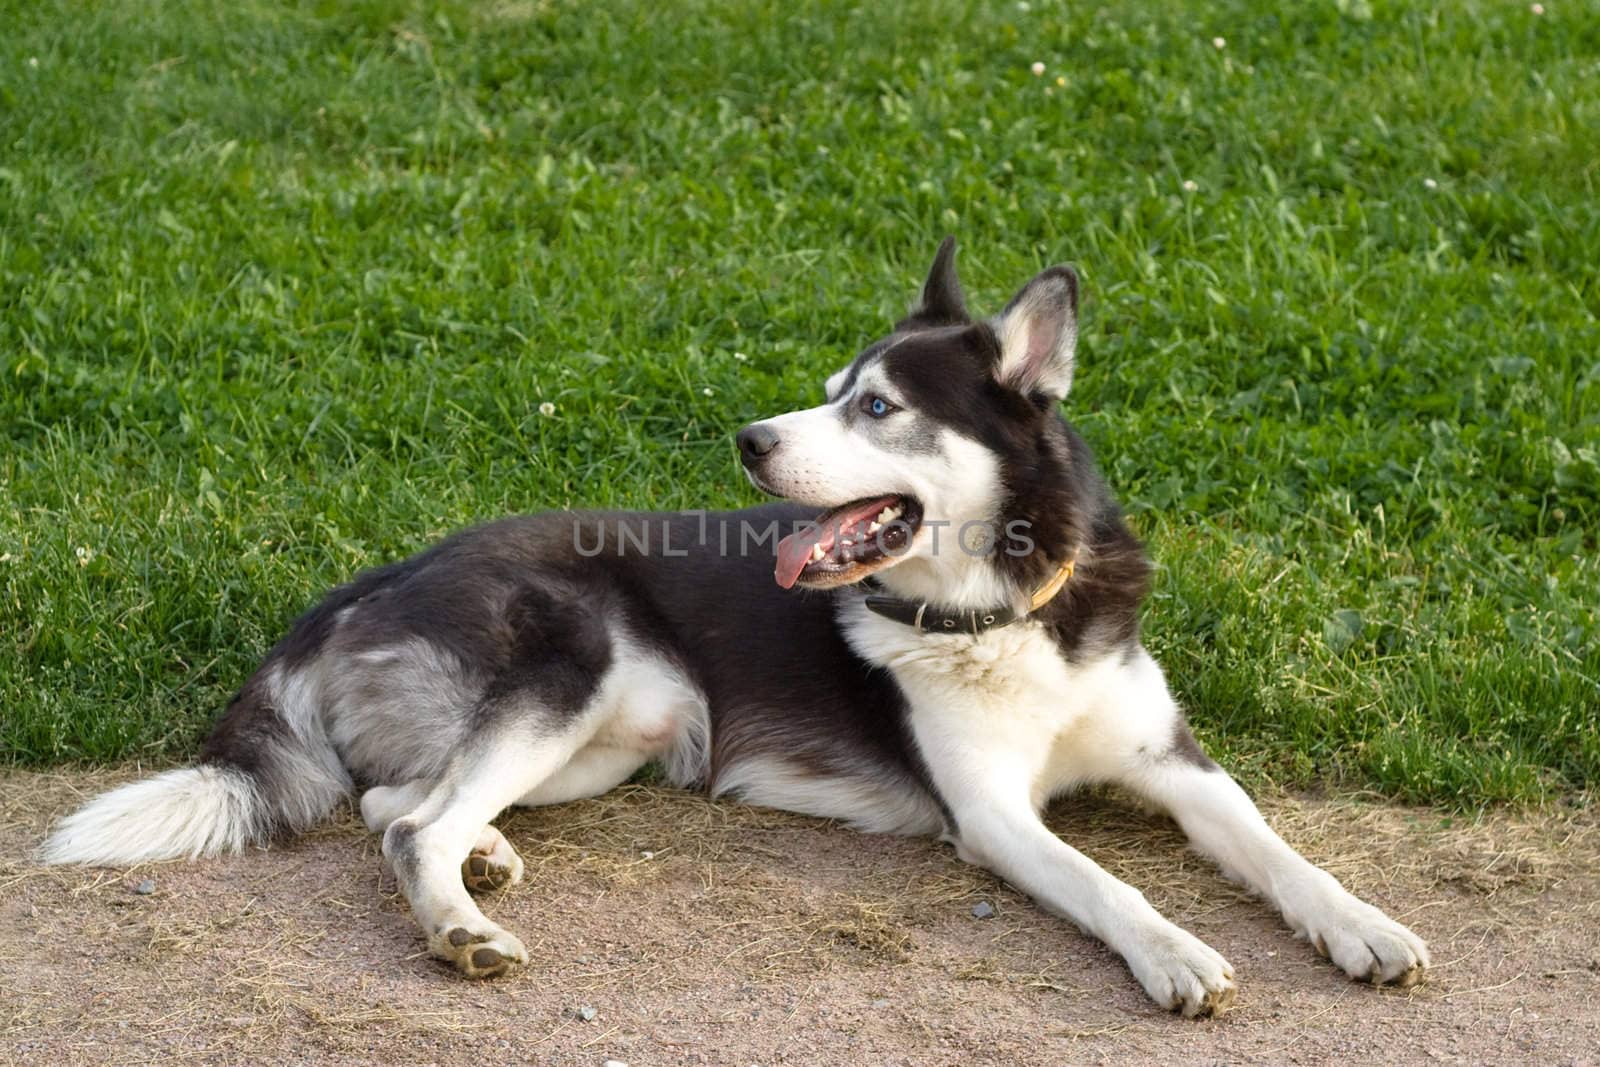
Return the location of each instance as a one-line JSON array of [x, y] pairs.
[[982, 910], [881, 1002], [615, 1063], [146, 887], [587, 1013]]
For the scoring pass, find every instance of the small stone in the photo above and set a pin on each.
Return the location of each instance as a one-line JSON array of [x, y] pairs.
[[615, 1063], [982, 910], [587, 1013], [881, 1002], [146, 887]]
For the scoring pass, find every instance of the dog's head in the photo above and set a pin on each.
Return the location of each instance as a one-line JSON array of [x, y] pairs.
[[927, 443]]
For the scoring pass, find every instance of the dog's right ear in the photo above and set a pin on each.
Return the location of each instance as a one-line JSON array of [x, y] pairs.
[[941, 303], [1038, 335]]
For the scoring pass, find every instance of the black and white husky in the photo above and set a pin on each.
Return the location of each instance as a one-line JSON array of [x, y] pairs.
[[963, 645]]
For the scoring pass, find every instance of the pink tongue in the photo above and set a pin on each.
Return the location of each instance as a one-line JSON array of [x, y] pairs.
[[794, 551]]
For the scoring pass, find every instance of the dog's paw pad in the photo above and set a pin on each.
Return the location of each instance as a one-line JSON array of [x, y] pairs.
[[481, 874], [479, 954], [493, 864]]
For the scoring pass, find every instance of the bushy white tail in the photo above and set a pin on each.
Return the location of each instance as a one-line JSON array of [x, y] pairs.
[[187, 813]]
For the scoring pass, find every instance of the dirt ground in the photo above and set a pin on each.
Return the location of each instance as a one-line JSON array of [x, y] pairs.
[[667, 929]]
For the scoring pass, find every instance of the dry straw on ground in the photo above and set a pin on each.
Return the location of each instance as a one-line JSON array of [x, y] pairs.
[[707, 932]]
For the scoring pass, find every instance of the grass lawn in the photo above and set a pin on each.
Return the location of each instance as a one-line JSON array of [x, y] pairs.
[[285, 286]]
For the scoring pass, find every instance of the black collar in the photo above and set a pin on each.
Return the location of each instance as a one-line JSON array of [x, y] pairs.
[[930, 619]]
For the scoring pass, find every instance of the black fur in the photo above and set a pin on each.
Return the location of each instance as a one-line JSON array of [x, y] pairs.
[[1186, 748]]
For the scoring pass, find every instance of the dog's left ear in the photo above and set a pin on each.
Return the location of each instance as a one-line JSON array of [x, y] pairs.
[[941, 302], [1038, 333]]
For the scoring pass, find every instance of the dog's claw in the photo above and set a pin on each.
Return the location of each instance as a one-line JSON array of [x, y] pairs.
[[1367, 945]]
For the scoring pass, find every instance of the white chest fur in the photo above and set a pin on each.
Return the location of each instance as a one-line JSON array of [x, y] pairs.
[[1002, 704]]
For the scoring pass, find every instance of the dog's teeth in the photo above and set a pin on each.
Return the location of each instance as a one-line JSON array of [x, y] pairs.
[[817, 553], [873, 527], [888, 515]]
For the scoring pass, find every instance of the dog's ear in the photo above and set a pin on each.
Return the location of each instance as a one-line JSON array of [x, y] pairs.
[[941, 302], [1038, 333]]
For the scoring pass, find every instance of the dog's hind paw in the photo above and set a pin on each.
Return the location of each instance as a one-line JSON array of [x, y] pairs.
[[493, 864], [1183, 973], [1368, 945], [488, 953]]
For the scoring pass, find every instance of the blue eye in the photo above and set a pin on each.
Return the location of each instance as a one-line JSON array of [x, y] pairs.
[[877, 406]]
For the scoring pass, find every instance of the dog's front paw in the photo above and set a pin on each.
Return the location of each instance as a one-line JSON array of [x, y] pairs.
[[489, 952], [1183, 973], [1366, 944]]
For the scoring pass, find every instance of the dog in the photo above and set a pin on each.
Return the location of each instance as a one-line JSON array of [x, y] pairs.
[[859, 667]]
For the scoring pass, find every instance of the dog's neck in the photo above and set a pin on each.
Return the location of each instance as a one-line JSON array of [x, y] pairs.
[[965, 584]]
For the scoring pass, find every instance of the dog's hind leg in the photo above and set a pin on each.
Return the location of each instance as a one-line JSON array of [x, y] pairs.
[[491, 865], [383, 804], [427, 846], [1221, 822], [597, 769]]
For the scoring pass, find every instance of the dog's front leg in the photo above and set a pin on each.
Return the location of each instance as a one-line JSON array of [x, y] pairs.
[[1222, 822], [1000, 831]]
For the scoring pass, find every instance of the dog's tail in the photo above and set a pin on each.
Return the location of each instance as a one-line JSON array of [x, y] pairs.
[[267, 769]]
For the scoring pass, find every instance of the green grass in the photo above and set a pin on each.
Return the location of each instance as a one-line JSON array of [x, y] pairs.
[[283, 286]]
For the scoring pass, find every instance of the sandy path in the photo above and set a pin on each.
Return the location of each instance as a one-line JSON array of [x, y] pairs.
[[712, 934]]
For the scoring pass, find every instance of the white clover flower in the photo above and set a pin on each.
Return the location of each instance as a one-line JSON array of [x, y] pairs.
[[1190, 185], [1537, 9], [1038, 69], [85, 555], [1219, 43], [708, 391], [1429, 183], [740, 356], [547, 409]]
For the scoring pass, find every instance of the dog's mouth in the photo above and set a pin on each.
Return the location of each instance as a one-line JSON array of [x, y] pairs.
[[849, 542]]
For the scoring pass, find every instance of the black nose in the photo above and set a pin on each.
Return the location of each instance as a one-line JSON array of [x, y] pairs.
[[755, 441]]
